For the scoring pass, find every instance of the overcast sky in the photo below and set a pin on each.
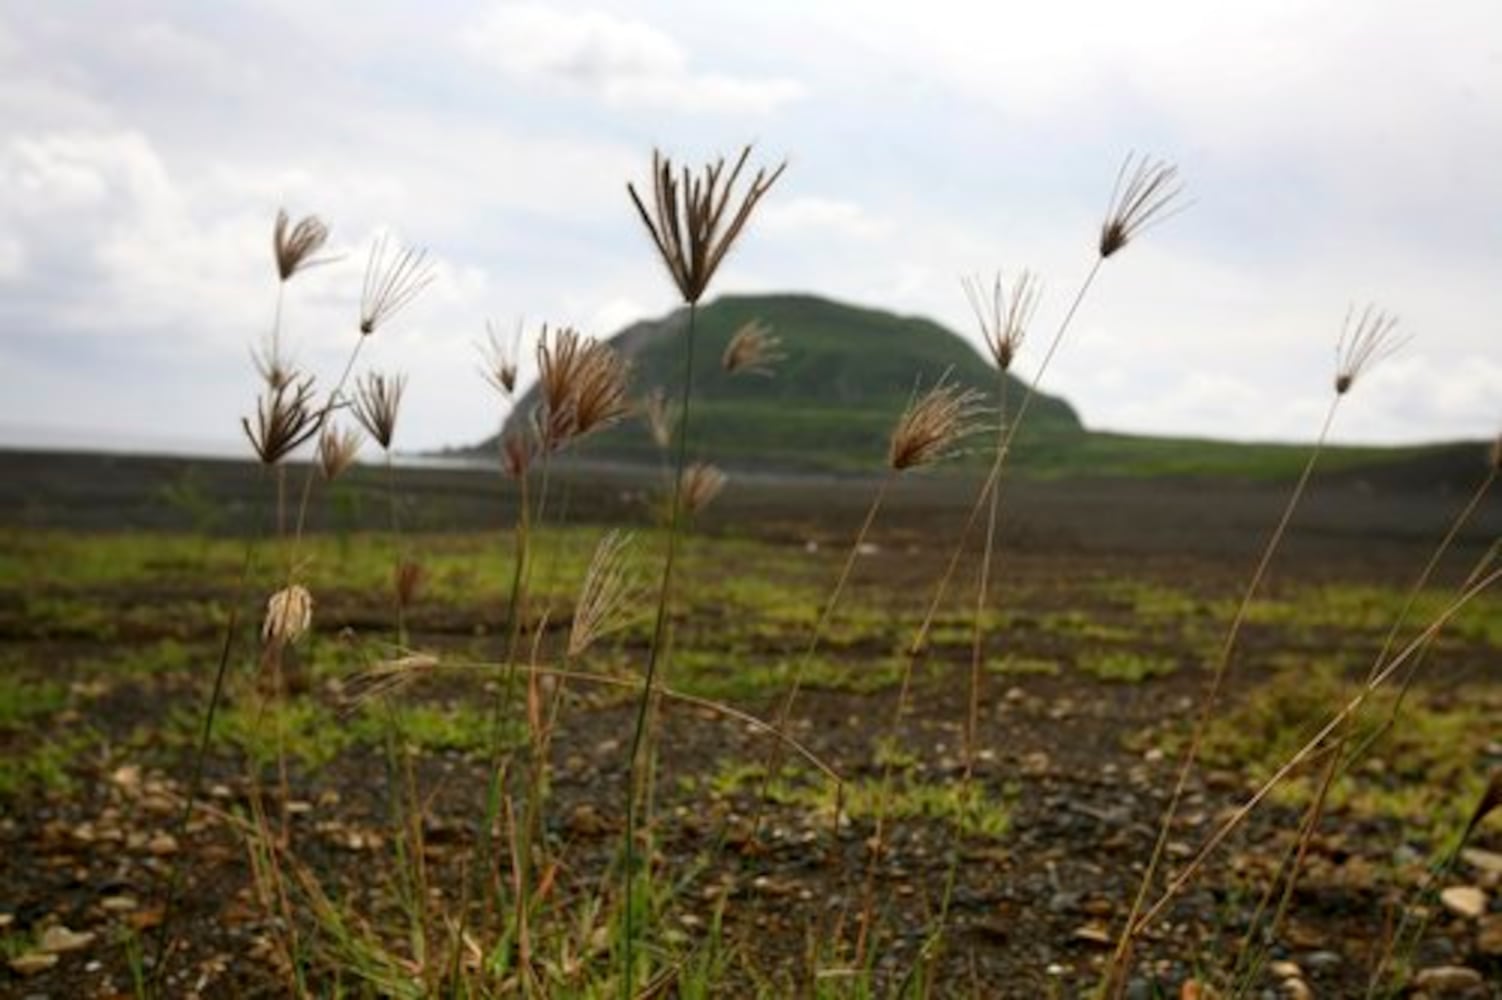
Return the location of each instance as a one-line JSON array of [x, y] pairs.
[[1335, 152]]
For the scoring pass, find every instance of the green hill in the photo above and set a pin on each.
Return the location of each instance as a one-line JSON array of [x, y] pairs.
[[847, 374]]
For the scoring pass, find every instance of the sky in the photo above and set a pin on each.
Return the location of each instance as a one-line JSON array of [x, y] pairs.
[[1333, 153]]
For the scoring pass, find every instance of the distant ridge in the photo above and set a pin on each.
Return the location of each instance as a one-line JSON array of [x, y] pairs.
[[847, 375]]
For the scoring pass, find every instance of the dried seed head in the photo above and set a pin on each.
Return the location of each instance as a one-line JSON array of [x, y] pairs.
[[600, 393], [500, 356], [608, 597], [391, 282], [700, 484], [387, 677], [294, 246], [658, 417], [337, 448], [274, 368], [284, 420], [583, 386], [752, 350], [407, 579], [1144, 191], [560, 357], [378, 398], [1366, 339], [689, 222], [516, 453], [1003, 315], [933, 424], [289, 613]]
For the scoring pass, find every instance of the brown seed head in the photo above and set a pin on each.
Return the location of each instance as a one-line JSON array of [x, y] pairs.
[[337, 448], [599, 398], [407, 579], [273, 367], [692, 222], [516, 453], [284, 420], [500, 356], [752, 350], [388, 677], [1366, 339], [658, 417], [393, 278], [378, 399], [582, 383], [933, 424], [608, 598], [700, 484], [294, 246], [1003, 315], [1144, 191], [289, 613]]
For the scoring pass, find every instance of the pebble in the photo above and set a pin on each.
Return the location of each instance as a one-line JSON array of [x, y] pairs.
[[1464, 901], [1287, 970], [32, 962], [1322, 961], [1485, 861], [1297, 989], [1489, 935], [1447, 980], [57, 939]]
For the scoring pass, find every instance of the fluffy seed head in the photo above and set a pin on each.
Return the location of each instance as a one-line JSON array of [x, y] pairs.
[[1003, 315], [700, 484], [752, 350], [1142, 197], [933, 424], [337, 448], [289, 613], [608, 597], [284, 420], [378, 399], [499, 358], [692, 222], [294, 246], [393, 278], [600, 392], [1366, 339], [658, 416]]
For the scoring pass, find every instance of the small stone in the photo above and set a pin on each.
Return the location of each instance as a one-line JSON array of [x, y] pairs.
[[1286, 970], [6, 919], [127, 777], [1447, 980], [1464, 901], [1094, 934], [162, 844], [32, 962], [1297, 989], [1485, 861], [1322, 961], [1489, 935], [118, 904], [58, 939]]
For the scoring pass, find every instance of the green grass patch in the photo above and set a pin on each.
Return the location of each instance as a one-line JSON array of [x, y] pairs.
[[1125, 666]]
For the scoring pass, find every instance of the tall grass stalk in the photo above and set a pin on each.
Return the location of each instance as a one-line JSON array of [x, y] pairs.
[[920, 638], [1302, 755], [1217, 682], [1342, 756], [659, 633]]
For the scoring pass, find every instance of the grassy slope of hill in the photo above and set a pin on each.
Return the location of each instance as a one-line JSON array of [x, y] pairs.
[[849, 371], [847, 374]]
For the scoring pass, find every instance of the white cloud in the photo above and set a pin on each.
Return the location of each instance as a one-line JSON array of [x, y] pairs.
[[816, 216], [624, 62]]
